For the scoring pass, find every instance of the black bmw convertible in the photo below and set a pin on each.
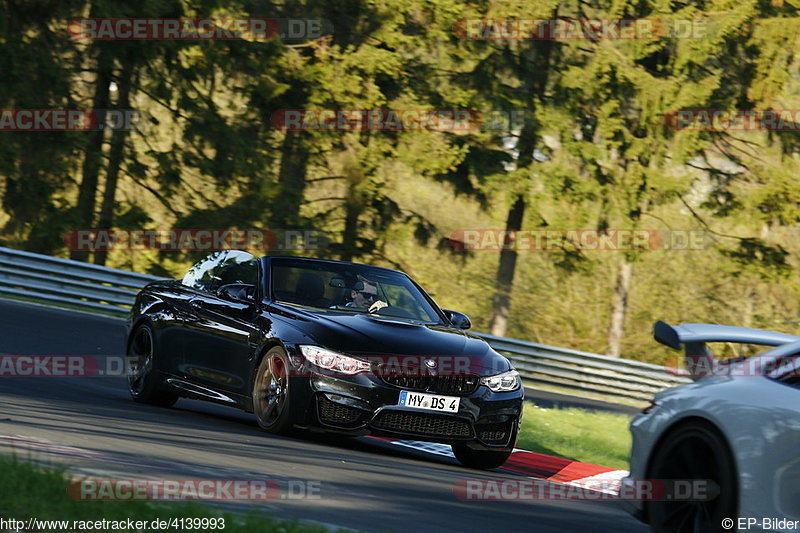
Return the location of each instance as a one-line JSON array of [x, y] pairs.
[[318, 344]]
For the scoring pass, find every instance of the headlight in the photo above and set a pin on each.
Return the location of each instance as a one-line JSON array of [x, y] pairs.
[[505, 382], [334, 361]]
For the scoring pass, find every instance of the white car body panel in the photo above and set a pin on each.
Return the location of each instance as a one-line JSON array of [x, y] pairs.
[[758, 416]]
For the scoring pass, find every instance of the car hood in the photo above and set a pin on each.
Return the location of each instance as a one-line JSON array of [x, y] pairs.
[[369, 335]]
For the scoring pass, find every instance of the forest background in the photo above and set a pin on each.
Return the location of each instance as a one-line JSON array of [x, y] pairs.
[[582, 136]]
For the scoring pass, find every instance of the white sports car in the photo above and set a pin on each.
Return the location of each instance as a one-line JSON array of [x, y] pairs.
[[737, 425]]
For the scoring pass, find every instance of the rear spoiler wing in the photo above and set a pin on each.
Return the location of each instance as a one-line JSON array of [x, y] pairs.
[[698, 358], [674, 336]]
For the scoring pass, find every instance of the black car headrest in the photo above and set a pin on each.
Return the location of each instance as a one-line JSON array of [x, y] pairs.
[[310, 286]]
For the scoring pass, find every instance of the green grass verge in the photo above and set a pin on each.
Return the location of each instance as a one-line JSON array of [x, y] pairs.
[[31, 491], [586, 436]]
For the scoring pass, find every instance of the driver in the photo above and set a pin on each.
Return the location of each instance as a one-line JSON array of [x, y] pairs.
[[367, 298]]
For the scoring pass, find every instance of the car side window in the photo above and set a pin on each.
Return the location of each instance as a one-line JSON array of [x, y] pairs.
[[209, 274], [246, 272]]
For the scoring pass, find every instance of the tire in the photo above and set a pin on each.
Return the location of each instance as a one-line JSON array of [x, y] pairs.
[[144, 383], [692, 451], [271, 393], [480, 459]]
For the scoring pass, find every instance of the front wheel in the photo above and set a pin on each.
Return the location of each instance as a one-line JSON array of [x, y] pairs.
[[271, 393], [694, 451], [144, 383]]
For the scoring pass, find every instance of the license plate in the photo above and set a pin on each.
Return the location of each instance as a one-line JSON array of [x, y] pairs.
[[431, 402]]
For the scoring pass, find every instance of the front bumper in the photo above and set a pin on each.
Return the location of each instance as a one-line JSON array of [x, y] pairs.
[[633, 507], [644, 429], [367, 405]]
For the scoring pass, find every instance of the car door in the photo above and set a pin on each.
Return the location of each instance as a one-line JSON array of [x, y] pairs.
[[221, 334], [169, 322]]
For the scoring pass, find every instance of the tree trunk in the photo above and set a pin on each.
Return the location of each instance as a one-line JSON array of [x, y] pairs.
[[93, 157], [619, 308], [501, 301], [352, 210], [535, 78], [115, 157], [292, 180]]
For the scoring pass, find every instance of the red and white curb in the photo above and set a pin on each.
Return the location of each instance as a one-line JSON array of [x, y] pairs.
[[537, 465]]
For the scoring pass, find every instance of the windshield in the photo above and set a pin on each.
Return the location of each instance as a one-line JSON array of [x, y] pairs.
[[350, 288]]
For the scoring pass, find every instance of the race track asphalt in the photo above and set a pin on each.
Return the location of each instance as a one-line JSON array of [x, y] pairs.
[[91, 425]]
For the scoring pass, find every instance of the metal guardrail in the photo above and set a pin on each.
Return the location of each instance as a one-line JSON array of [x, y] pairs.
[[65, 282], [584, 372], [96, 288]]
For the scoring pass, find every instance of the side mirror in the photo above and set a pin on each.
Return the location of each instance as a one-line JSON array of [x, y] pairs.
[[459, 320], [238, 292]]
